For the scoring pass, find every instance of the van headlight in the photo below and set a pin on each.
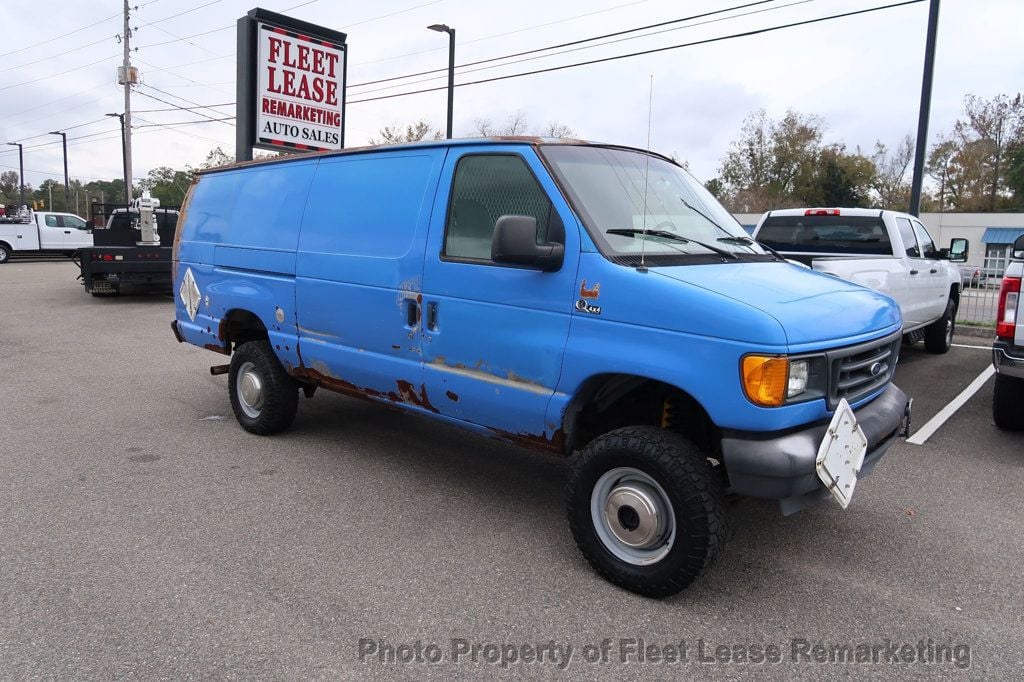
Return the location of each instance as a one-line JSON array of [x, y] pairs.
[[775, 380]]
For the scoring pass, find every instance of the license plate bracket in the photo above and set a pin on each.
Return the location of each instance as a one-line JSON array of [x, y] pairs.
[[841, 454]]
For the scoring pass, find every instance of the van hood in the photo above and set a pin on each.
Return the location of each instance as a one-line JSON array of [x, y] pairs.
[[811, 307]]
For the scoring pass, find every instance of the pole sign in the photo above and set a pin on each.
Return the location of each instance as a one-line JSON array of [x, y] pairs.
[[291, 85]]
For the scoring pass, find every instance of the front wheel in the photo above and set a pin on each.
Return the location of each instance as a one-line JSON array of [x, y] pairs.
[[1008, 403], [264, 398], [938, 336], [646, 510], [5, 253]]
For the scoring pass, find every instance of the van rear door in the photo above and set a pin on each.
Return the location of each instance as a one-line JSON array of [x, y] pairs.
[[494, 334]]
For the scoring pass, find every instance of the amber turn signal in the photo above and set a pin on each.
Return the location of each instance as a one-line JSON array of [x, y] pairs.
[[764, 379]]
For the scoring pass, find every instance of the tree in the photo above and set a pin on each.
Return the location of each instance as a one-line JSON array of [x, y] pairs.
[[108, 191], [10, 188], [975, 164], [216, 158], [772, 164], [414, 132], [890, 182], [840, 179], [167, 185], [517, 123], [557, 130]]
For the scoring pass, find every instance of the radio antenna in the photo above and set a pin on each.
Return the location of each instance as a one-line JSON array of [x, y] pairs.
[[647, 167]]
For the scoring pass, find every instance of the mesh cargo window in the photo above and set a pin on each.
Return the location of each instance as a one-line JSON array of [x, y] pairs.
[[486, 188]]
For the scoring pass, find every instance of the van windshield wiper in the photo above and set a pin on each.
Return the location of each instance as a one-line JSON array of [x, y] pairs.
[[749, 241], [665, 234], [730, 238]]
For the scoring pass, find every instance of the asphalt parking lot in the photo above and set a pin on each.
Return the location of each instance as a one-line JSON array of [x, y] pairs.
[[145, 534]]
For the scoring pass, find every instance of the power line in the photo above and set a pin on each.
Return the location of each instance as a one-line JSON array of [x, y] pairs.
[[54, 56], [37, 43], [63, 35], [174, 128], [346, 27], [151, 124], [742, 34], [201, 106], [502, 35], [54, 101], [160, 99], [178, 75], [570, 43], [60, 73], [587, 47], [65, 129]]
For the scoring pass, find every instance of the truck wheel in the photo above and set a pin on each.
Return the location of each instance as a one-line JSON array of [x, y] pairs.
[[646, 510], [5, 253], [938, 336], [1008, 403], [263, 396]]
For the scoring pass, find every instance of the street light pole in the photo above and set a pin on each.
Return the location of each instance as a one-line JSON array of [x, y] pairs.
[[21, 170], [124, 158], [926, 103], [64, 143], [443, 28]]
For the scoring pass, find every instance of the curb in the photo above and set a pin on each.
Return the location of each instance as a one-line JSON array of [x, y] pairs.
[[976, 332]]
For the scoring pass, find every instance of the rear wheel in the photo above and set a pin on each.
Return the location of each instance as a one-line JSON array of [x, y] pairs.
[[1008, 403], [938, 336], [646, 510], [5, 253], [264, 398]]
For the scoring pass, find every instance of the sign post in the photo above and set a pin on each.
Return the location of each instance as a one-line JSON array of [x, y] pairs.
[[291, 85]]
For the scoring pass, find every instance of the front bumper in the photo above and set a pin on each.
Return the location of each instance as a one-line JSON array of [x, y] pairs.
[[1008, 359], [782, 465]]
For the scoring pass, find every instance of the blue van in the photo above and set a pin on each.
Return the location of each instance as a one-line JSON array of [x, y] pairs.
[[591, 300]]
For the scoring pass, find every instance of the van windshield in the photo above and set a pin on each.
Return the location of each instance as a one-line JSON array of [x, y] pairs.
[[620, 194]]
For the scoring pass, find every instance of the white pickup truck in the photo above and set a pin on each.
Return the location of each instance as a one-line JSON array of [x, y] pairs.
[[884, 250], [43, 233]]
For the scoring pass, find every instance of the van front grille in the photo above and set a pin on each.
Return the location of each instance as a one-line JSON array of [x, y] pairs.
[[858, 371]]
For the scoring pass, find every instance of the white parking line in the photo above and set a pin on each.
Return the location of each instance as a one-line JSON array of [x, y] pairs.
[[933, 424], [964, 345]]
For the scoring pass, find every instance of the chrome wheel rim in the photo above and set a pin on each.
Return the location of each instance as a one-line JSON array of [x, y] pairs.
[[633, 516], [949, 331], [249, 387]]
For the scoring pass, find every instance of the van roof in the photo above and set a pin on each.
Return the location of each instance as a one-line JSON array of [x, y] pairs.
[[526, 140]]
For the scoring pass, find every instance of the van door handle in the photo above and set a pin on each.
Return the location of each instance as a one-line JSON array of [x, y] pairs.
[[913, 272], [933, 270], [67, 231], [432, 316], [412, 313]]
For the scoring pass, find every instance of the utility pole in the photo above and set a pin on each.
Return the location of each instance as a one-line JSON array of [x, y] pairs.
[[926, 104], [128, 78], [21, 171], [64, 141]]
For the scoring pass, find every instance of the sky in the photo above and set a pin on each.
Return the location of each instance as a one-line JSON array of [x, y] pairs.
[[861, 74]]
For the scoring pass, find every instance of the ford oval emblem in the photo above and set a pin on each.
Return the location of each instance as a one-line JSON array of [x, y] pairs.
[[876, 369]]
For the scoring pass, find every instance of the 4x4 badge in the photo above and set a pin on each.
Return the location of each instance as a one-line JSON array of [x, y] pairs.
[[585, 307]]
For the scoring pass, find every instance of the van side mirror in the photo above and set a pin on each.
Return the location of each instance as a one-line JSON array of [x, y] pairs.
[[958, 250], [515, 241], [1018, 248]]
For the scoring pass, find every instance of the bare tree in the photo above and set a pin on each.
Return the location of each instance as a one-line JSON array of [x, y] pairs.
[[515, 124], [557, 130], [890, 181], [413, 132]]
